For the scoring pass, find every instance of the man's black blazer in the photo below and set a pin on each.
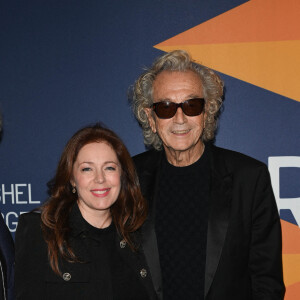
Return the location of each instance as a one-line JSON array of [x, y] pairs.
[[243, 258]]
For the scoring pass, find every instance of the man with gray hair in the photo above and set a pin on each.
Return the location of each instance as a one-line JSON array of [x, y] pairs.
[[213, 230]]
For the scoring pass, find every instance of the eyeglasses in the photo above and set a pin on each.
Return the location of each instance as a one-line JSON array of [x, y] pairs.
[[167, 109]]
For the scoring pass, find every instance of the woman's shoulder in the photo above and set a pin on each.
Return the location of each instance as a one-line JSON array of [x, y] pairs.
[[29, 234], [32, 217], [29, 222]]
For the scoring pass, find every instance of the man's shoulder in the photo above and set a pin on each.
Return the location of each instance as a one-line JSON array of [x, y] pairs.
[[236, 156], [235, 160], [146, 157], [146, 154]]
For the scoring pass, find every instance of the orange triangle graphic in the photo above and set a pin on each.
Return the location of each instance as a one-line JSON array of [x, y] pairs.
[[291, 255], [257, 42], [292, 292]]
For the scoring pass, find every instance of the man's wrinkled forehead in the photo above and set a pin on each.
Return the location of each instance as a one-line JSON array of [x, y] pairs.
[[176, 86]]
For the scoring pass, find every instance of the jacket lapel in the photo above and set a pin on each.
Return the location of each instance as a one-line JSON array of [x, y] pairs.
[[149, 176], [220, 203]]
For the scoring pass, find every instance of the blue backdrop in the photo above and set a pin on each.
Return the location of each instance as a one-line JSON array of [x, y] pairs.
[[69, 63]]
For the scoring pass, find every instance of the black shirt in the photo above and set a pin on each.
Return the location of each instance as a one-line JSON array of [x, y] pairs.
[[181, 217]]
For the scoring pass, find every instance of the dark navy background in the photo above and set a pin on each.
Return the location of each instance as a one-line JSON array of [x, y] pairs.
[[66, 64]]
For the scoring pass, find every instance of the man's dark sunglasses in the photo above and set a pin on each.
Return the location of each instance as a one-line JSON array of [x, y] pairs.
[[167, 109]]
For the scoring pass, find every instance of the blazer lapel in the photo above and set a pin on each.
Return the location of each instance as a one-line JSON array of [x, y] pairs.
[[220, 203], [149, 176]]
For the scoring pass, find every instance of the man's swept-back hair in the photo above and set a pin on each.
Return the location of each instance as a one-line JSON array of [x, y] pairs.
[[177, 60], [128, 212]]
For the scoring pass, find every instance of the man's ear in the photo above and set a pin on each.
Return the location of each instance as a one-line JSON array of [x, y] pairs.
[[150, 117]]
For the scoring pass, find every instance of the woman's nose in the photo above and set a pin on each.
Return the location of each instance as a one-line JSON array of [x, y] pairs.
[[100, 176]]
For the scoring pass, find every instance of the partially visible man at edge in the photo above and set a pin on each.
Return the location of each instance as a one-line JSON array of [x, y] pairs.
[[213, 230], [6, 258]]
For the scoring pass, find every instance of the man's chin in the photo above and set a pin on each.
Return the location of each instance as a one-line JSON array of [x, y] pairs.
[[180, 148]]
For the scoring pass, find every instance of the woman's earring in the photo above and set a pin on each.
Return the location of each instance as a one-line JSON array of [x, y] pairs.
[[74, 190]]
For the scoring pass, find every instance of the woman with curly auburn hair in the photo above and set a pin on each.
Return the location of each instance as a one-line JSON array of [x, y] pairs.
[[84, 242]]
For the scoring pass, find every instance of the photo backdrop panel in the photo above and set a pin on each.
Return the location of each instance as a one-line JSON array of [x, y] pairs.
[[67, 64]]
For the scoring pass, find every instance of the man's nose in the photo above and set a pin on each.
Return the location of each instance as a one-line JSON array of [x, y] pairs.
[[179, 117]]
